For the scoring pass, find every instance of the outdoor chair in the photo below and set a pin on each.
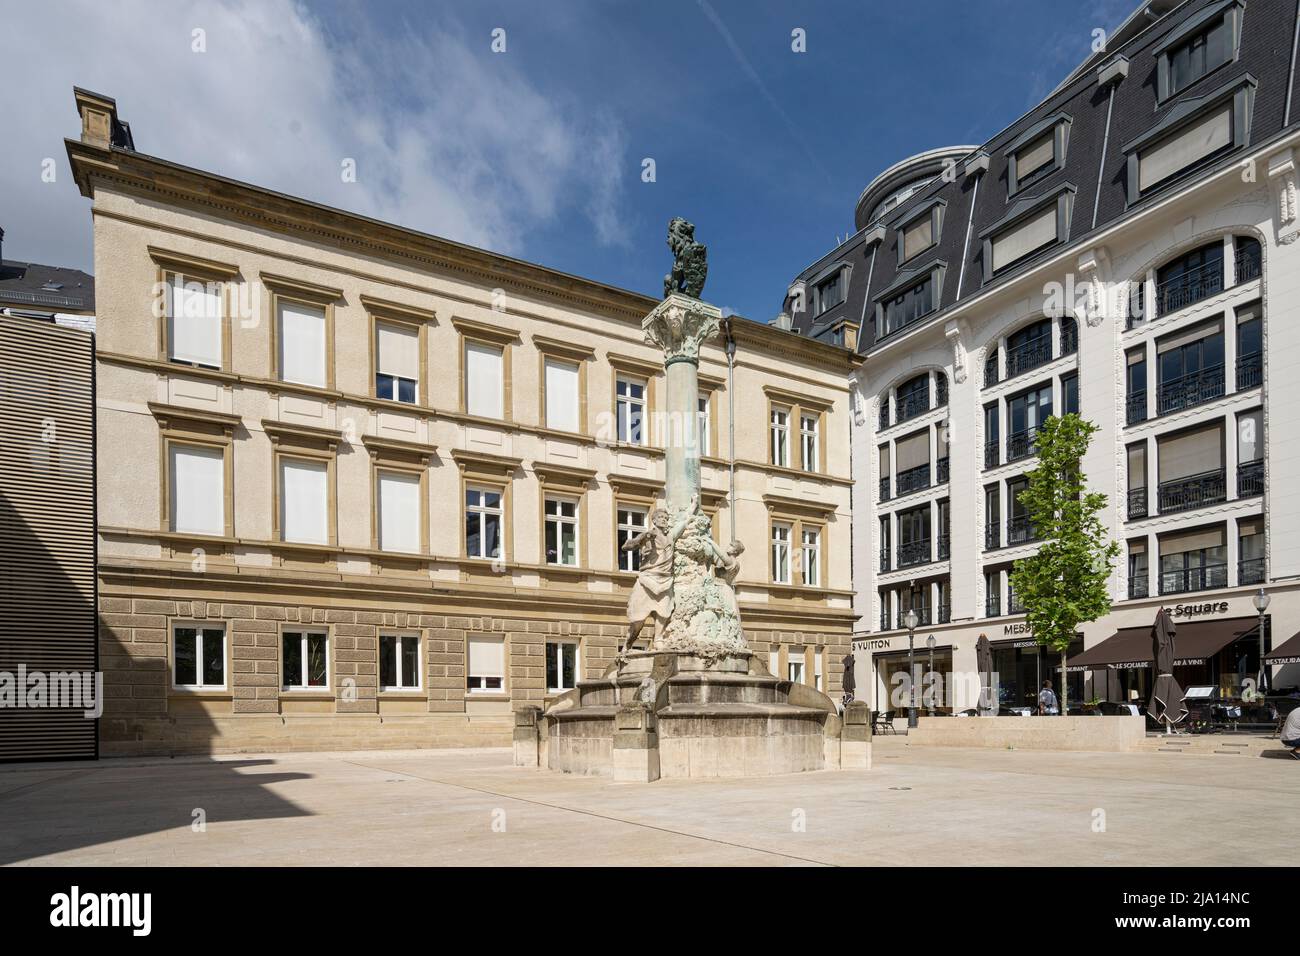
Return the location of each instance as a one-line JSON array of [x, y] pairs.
[[882, 722]]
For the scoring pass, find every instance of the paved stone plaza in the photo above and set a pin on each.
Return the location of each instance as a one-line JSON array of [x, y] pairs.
[[470, 807]]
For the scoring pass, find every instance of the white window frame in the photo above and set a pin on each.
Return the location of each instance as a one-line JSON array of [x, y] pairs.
[[795, 664], [176, 447], [399, 687], [811, 552], [818, 675], [302, 687], [779, 430], [810, 441], [403, 330], [780, 551], [186, 285], [560, 521], [474, 345], [481, 509], [405, 477], [623, 399], [557, 645], [551, 400], [626, 559], [482, 688], [199, 627]]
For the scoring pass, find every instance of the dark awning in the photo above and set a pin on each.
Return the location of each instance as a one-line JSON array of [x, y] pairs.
[[1195, 643], [1288, 652]]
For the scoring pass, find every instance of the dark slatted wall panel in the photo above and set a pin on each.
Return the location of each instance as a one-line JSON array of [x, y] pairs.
[[47, 527]]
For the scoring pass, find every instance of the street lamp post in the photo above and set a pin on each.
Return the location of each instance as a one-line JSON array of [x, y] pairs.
[[1260, 601], [930, 642], [910, 619]]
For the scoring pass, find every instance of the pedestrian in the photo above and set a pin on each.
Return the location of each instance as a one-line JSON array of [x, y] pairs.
[[1047, 703], [1291, 733]]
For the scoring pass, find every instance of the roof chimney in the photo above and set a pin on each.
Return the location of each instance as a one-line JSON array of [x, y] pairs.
[[99, 123]]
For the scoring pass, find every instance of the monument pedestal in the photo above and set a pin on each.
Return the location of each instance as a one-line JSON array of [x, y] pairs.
[[676, 714]]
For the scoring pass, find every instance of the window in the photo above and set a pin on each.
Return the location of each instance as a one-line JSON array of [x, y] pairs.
[[1248, 258], [1250, 348], [1036, 159], [630, 407], [1070, 393], [885, 546], [781, 553], [562, 395], [562, 531], [631, 522], [561, 666], [198, 657], [991, 367], [1029, 348], [1190, 468], [304, 501], [399, 512], [1250, 551], [921, 231], [940, 389], [945, 528], [794, 665], [1069, 335], [195, 321], [1136, 383], [914, 536], [818, 677], [483, 519], [912, 458], [703, 413], [1202, 45], [992, 517], [305, 660], [1137, 480], [487, 665], [301, 337], [913, 398], [780, 437], [812, 557], [1036, 232], [1137, 568], [1019, 528], [809, 452], [399, 662], [1191, 367], [397, 362], [992, 436], [992, 593], [196, 489], [1193, 276], [1250, 436], [885, 472], [484, 380], [1026, 412], [1193, 561], [829, 293], [909, 306]]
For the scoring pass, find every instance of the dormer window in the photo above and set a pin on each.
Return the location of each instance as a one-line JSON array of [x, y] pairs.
[[829, 292], [1037, 152], [1029, 227], [1197, 48], [920, 231]]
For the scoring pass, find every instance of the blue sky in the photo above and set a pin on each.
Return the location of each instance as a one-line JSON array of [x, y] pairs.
[[538, 151]]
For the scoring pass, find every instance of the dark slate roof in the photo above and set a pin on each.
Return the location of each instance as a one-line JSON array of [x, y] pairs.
[[1265, 52], [45, 288]]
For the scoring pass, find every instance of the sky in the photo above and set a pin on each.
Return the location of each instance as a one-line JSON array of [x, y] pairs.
[[563, 132]]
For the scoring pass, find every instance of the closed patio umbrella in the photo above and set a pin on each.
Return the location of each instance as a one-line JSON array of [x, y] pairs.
[[984, 660], [1166, 696]]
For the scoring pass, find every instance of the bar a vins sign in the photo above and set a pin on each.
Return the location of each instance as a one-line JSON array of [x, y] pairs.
[[1196, 610]]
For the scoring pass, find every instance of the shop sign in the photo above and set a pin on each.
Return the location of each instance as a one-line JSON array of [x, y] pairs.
[[1021, 627], [1193, 610], [874, 644]]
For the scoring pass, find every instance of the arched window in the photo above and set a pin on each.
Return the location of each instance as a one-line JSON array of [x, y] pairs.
[[1191, 277], [1249, 260], [1029, 348], [940, 389], [883, 422], [991, 367], [1069, 335], [913, 397]]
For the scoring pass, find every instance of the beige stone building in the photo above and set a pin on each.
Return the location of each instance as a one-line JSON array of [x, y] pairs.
[[363, 487]]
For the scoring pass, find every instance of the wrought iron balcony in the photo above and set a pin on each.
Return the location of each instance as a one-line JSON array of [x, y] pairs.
[[991, 370], [912, 553], [884, 488], [913, 479], [1250, 370], [882, 422], [884, 559], [992, 451], [1135, 407], [992, 536], [1020, 529], [1138, 587], [1195, 491], [941, 391], [1190, 287], [1250, 478], [944, 545], [922, 617], [1247, 264], [1250, 571], [941, 470], [1069, 339], [945, 614], [1021, 444], [911, 405], [884, 618], [1191, 389], [1204, 578], [1029, 356], [993, 605], [1137, 503], [1014, 604]]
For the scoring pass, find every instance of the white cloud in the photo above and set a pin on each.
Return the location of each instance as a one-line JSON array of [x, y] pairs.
[[447, 136]]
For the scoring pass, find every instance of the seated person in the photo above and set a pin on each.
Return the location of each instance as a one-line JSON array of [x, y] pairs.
[[1291, 733]]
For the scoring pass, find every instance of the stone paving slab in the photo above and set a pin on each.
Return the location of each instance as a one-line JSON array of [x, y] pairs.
[[471, 807]]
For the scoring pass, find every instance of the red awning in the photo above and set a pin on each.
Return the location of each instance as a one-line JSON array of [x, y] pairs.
[[1288, 652], [1194, 643]]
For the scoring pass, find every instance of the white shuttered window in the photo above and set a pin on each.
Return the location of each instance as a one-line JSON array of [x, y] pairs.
[[304, 501], [194, 315], [302, 343], [561, 395], [198, 498], [484, 383], [399, 512]]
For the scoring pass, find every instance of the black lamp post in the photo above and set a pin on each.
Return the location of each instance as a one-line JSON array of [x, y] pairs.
[[1260, 601], [910, 619], [930, 642]]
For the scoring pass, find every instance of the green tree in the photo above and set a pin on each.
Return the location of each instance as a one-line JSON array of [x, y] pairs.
[[1064, 584]]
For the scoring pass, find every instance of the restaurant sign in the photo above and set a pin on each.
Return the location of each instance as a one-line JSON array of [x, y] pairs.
[[1195, 610]]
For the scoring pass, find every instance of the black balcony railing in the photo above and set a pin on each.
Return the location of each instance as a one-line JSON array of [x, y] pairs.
[[883, 421], [913, 479], [1250, 371], [992, 536], [1194, 491], [884, 488], [884, 617], [1193, 286], [911, 405], [1137, 503], [941, 470], [913, 553], [1021, 444], [1204, 578], [1020, 529], [1250, 571], [1248, 264], [945, 613], [993, 605], [991, 451], [991, 370], [1250, 478], [1191, 389], [1135, 408], [944, 545], [1138, 587], [1069, 339], [1028, 356], [941, 391], [1014, 604], [884, 559], [922, 617]]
